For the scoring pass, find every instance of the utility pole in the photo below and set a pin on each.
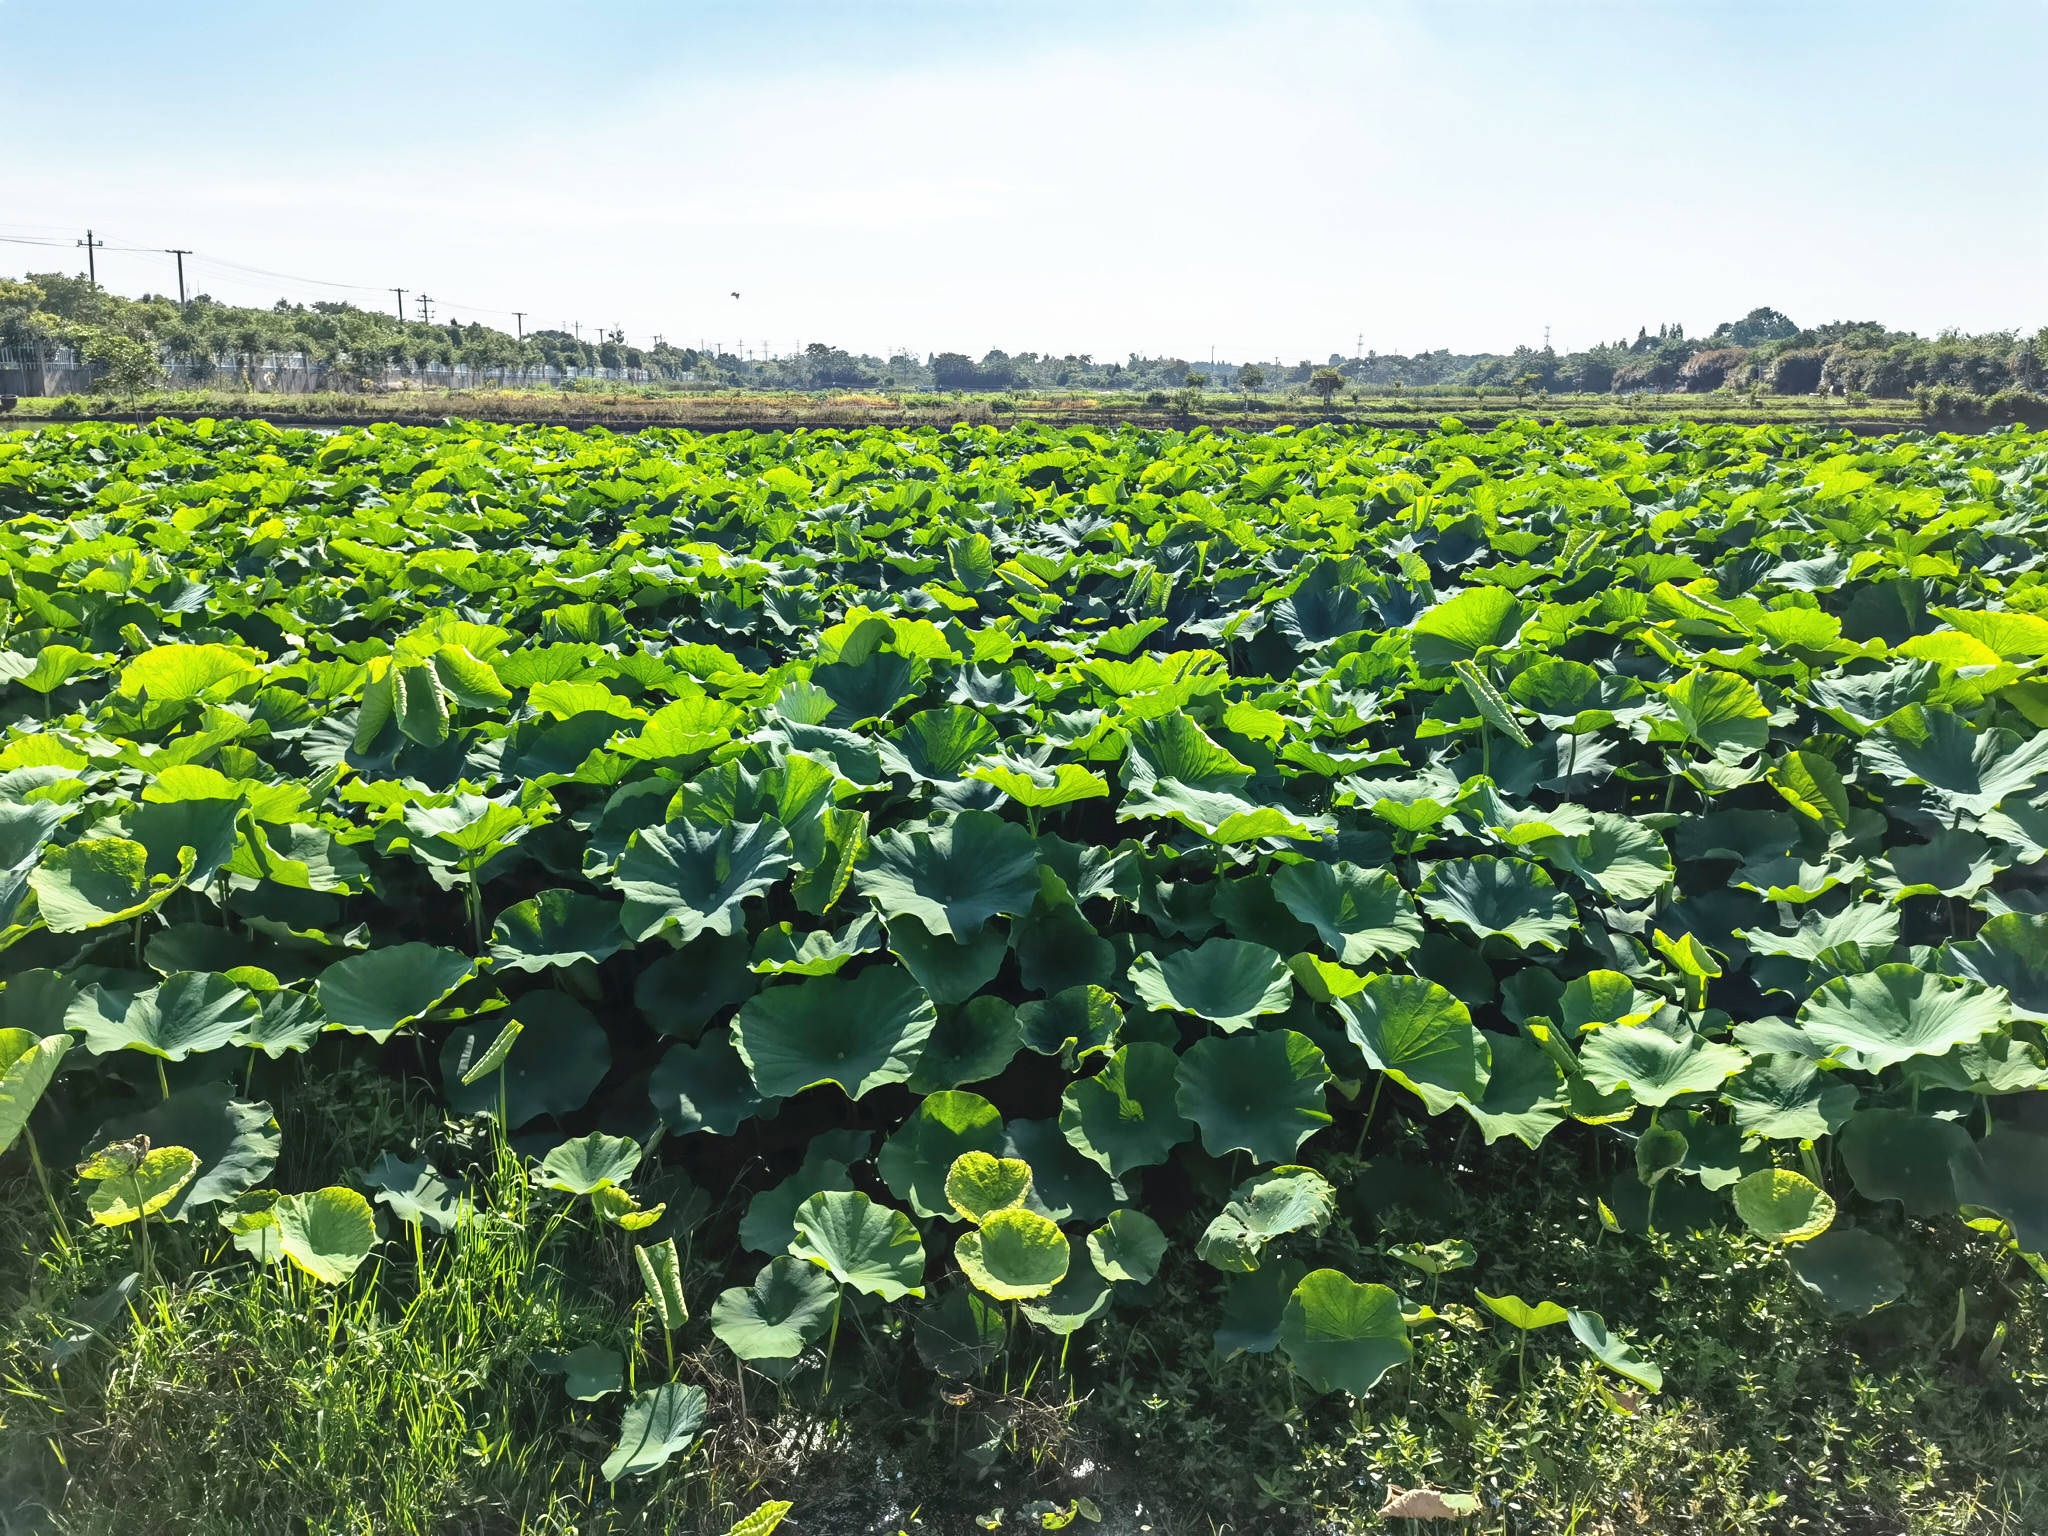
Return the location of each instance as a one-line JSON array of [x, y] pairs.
[[1546, 338], [401, 304], [519, 315], [426, 310], [181, 255], [92, 274], [578, 327], [1360, 353]]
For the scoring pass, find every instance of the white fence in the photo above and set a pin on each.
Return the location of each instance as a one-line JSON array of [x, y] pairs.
[[61, 371]]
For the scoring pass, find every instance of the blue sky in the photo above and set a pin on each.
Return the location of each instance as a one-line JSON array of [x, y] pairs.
[[1270, 179]]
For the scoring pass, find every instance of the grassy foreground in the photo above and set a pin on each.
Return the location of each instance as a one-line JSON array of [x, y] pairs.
[[225, 1397]]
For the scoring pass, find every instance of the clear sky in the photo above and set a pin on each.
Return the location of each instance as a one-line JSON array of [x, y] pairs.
[[1268, 177]]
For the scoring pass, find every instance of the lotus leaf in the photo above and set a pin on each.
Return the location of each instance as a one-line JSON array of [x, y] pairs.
[[867, 1246], [860, 1034], [778, 1317], [1013, 1255], [1783, 1206], [1261, 1092], [1226, 981], [1341, 1336]]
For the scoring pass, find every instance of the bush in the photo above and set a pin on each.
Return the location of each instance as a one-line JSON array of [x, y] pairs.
[[1706, 371], [70, 408], [1795, 373]]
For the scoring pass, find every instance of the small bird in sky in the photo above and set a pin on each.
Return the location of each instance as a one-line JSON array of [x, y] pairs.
[[735, 294]]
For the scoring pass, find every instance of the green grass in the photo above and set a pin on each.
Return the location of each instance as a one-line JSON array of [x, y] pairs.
[[235, 1399]]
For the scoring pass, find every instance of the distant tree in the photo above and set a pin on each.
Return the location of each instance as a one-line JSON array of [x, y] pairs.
[[1325, 382], [131, 367], [1195, 380], [1250, 379]]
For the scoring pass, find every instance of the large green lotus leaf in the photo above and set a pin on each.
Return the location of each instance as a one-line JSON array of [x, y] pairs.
[[1505, 898], [1013, 1255], [1953, 863], [590, 1372], [1519, 1314], [417, 1193], [960, 1335], [706, 1087], [556, 1063], [1266, 1206], [954, 878], [1357, 913], [1788, 1098], [2009, 952], [557, 927], [915, 1160], [1654, 1068], [1571, 695], [979, 1182], [686, 878], [660, 1424], [1896, 1012], [783, 951], [1720, 711], [96, 881], [1525, 1092], [1602, 997], [949, 970], [785, 1311], [867, 1246], [1065, 1186], [1084, 1020], [1620, 857], [28, 1062], [860, 1034], [288, 1021], [327, 1233], [1262, 1093], [379, 992], [969, 1044], [236, 1143], [1057, 949], [1784, 1206], [1081, 1296], [1591, 1330], [1851, 1271], [142, 1188], [1422, 1037], [1127, 1115], [1962, 769], [1127, 1248], [1997, 1064], [1175, 772], [2007, 1173], [1465, 625], [191, 1012], [1253, 1307], [1226, 981], [1342, 1336], [188, 841], [179, 673], [586, 1163], [937, 745], [769, 1224], [1042, 788], [684, 990]]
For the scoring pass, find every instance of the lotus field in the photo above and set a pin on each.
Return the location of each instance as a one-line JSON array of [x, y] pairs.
[[920, 894]]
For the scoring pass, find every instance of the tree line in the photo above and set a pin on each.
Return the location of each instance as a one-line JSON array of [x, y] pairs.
[[1763, 352]]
